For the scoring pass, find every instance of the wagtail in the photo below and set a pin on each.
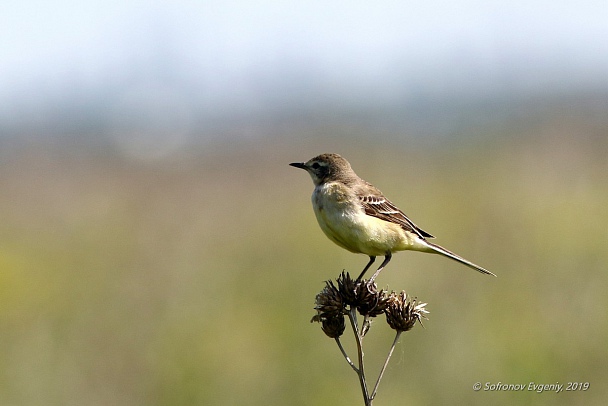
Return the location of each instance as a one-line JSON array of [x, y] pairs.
[[355, 215]]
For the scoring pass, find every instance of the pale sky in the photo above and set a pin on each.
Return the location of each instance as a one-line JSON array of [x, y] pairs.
[[243, 53]]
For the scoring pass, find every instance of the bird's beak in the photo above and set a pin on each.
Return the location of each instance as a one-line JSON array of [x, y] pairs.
[[300, 165]]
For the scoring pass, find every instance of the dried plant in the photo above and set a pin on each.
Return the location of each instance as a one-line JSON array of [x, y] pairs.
[[346, 298]]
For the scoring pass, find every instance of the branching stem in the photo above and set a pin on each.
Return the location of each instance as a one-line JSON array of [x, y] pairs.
[[352, 315], [390, 353], [346, 357]]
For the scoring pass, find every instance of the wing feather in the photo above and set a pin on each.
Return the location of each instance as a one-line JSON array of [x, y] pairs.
[[376, 205]]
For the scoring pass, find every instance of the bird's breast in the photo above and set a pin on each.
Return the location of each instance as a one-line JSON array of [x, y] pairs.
[[336, 202], [336, 211]]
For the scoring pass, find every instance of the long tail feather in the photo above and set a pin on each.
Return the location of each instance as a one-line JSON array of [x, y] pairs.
[[440, 250]]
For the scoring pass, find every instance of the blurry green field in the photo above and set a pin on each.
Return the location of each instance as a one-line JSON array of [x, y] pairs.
[[192, 280]]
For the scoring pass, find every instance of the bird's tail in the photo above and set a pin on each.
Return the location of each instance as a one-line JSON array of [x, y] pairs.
[[440, 250]]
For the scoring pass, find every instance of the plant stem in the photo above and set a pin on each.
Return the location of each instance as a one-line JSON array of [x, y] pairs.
[[346, 355], [352, 315], [390, 353]]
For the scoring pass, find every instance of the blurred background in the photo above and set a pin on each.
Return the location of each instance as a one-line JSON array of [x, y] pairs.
[[156, 249]]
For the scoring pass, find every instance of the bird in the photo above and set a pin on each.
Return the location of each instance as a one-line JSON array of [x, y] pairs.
[[356, 216]]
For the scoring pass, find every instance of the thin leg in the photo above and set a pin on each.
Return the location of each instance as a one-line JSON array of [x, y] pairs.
[[371, 261], [387, 258]]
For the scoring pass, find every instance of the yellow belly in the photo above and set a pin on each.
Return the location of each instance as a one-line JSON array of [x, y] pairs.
[[343, 221]]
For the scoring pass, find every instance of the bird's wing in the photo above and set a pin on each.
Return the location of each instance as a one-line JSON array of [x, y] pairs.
[[376, 205]]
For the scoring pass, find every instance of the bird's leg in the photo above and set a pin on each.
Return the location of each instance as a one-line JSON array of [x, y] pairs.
[[387, 258], [371, 261]]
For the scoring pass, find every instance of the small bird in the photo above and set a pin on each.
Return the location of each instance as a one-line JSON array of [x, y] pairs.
[[355, 215]]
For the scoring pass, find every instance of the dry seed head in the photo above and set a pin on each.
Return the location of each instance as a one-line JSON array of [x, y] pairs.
[[402, 312], [328, 302]]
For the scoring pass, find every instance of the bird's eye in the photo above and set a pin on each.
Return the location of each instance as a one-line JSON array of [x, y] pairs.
[[315, 165]]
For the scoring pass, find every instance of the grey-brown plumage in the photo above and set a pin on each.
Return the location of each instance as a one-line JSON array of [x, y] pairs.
[[358, 217]]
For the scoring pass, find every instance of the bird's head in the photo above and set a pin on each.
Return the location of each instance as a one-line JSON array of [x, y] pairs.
[[326, 168]]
